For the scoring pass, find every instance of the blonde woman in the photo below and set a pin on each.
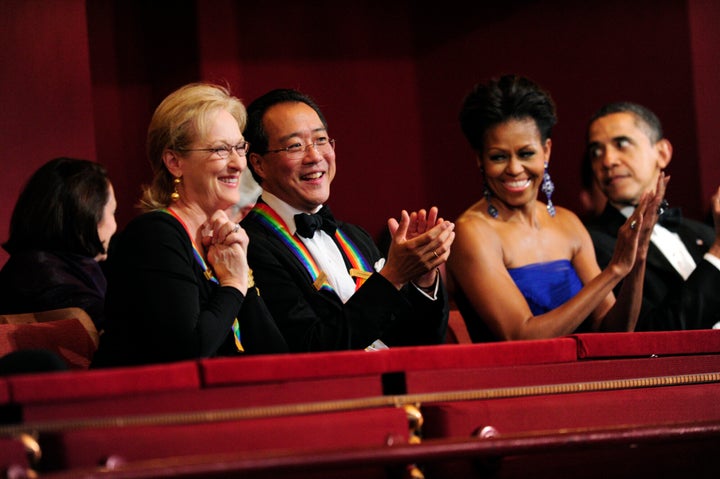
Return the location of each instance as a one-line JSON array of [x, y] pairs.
[[179, 285]]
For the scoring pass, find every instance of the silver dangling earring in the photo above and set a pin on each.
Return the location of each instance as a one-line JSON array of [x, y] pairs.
[[492, 211], [548, 187]]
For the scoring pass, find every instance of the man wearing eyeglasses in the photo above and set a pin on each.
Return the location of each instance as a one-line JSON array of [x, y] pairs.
[[325, 282]]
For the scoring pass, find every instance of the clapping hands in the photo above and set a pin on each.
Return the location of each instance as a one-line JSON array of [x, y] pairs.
[[634, 236], [420, 243]]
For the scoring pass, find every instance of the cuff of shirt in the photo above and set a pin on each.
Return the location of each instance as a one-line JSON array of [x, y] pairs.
[[432, 291], [714, 260]]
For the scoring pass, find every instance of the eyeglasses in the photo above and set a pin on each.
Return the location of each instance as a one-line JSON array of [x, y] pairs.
[[298, 150], [224, 151]]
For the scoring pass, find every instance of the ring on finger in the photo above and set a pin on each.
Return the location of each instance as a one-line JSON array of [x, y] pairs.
[[237, 228], [633, 224], [436, 255]]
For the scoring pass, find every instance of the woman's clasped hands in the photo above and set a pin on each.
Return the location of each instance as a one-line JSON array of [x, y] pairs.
[[226, 246]]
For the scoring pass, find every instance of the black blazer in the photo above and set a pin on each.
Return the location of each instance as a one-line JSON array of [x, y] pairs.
[[669, 302], [312, 320], [161, 308]]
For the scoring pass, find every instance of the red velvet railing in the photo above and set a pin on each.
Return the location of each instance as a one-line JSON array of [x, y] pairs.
[[311, 406]]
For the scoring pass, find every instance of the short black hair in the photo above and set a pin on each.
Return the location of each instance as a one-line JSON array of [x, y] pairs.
[[511, 97], [60, 207], [255, 132], [648, 121]]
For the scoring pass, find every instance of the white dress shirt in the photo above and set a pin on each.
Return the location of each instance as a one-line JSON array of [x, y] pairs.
[[670, 245], [326, 252], [321, 246]]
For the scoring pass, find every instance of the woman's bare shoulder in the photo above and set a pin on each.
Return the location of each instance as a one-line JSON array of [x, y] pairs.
[[475, 232], [474, 217], [565, 218]]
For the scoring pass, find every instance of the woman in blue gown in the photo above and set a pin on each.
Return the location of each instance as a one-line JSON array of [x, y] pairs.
[[521, 268]]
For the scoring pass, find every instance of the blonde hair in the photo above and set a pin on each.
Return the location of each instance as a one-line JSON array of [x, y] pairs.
[[182, 117]]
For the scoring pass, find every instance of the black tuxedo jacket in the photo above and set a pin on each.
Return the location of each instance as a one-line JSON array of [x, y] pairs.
[[669, 302], [313, 320]]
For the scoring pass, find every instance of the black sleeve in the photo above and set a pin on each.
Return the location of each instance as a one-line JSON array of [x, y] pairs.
[[313, 320], [693, 304], [669, 303], [160, 300]]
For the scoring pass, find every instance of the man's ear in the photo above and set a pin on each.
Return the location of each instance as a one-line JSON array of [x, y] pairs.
[[172, 163], [257, 162], [664, 148]]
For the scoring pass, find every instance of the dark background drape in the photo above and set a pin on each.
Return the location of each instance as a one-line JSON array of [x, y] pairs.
[[81, 78]]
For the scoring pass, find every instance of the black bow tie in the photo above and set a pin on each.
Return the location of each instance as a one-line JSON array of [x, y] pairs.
[[307, 224], [670, 218]]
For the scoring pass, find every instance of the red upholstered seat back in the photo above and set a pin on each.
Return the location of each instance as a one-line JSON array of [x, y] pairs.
[[435, 380], [283, 367], [329, 431], [12, 453], [647, 344], [105, 392], [458, 356], [69, 332], [555, 412]]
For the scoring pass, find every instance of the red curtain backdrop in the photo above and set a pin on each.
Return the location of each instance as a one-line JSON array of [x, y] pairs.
[[81, 78]]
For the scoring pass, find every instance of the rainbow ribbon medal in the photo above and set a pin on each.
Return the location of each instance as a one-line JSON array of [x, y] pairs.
[[208, 273], [267, 217]]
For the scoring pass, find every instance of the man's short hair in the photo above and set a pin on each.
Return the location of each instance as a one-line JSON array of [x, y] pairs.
[[646, 119]]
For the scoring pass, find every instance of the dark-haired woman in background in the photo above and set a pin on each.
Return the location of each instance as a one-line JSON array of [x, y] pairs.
[[521, 268], [60, 228]]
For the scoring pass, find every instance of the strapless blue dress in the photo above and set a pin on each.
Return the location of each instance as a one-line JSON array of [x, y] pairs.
[[546, 285]]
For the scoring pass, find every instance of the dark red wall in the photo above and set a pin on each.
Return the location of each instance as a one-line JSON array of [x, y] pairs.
[[46, 93], [585, 54], [705, 49], [83, 80]]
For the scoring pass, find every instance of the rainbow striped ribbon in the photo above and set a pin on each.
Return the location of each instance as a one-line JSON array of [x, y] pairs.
[[266, 216], [207, 271]]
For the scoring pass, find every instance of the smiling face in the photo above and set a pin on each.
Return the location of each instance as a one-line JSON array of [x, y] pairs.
[[208, 181], [513, 158], [625, 161], [303, 179]]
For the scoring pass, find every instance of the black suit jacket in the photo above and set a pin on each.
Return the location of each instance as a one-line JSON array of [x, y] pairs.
[[160, 307], [313, 320], [669, 302]]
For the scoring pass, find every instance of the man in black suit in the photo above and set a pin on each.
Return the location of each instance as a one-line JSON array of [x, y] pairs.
[[627, 152], [325, 282]]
